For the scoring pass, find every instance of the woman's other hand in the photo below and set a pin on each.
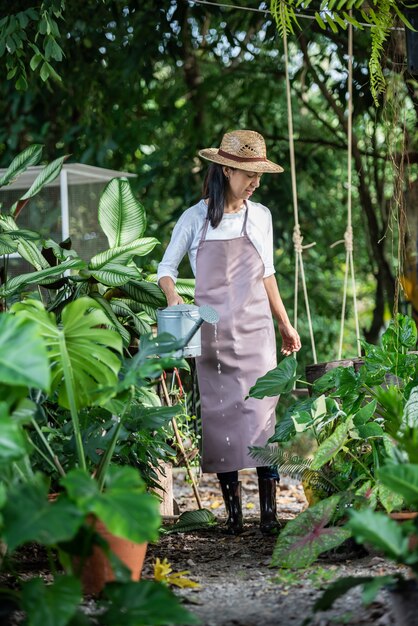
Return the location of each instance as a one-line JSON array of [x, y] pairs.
[[290, 340]]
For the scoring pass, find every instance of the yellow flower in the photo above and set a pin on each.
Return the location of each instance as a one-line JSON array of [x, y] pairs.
[[162, 573]]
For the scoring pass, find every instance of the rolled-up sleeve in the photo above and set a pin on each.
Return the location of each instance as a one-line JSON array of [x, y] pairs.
[[180, 243]]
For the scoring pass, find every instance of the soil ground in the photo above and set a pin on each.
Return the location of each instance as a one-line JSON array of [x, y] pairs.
[[237, 585]]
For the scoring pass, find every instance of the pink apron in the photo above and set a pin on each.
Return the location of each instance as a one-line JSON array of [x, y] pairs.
[[240, 349]]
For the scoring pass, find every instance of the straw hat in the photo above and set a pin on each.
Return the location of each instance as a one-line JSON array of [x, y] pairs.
[[244, 150]]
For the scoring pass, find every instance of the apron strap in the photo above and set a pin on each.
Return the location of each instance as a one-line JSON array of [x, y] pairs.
[[204, 231], [244, 225]]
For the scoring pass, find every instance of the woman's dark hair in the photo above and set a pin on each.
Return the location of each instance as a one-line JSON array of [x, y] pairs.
[[214, 189]]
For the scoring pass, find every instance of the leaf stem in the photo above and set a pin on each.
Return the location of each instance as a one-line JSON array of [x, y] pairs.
[[70, 388]]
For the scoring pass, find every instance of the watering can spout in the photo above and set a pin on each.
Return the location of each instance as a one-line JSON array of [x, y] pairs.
[[207, 314]]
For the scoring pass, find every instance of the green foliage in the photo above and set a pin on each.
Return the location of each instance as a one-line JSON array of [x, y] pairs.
[[142, 604], [51, 604], [278, 380], [193, 520], [381, 16], [23, 354], [121, 216], [351, 416], [304, 538]]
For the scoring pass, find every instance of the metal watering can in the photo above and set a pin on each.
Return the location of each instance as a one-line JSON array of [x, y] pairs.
[[184, 322]]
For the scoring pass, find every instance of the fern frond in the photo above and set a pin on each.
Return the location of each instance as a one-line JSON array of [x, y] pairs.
[[293, 466], [284, 16], [382, 19]]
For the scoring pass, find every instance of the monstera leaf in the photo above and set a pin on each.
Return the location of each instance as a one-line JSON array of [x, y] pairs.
[[81, 349]]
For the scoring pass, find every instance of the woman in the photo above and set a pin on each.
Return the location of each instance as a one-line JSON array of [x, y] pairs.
[[230, 245]]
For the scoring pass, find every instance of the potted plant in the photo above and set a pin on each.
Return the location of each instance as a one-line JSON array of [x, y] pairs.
[[353, 417], [77, 364]]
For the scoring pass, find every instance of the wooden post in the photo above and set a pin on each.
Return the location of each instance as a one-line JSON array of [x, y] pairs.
[[165, 479]]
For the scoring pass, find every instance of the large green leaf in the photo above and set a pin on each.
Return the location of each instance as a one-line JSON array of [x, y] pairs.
[[41, 277], [23, 355], [51, 604], [402, 479], [115, 275], [379, 530], [121, 215], [28, 516], [123, 254], [142, 604], [12, 439], [81, 350], [193, 520], [47, 175], [184, 286], [113, 320], [304, 538], [140, 321], [278, 380], [145, 292], [410, 414], [29, 156], [123, 507], [25, 247], [329, 448]]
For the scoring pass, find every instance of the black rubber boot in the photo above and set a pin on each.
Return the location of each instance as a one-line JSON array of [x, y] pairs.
[[231, 493], [268, 521]]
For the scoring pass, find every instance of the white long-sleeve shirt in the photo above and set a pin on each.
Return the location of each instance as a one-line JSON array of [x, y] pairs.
[[188, 231]]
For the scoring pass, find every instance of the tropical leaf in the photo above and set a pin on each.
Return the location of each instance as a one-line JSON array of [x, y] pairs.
[[184, 286], [47, 175], [193, 520], [115, 275], [333, 444], [121, 215], [379, 530], [402, 479], [141, 321], [12, 439], [28, 516], [81, 350], [113, 320], [307, 536], [278, 380], [29, 156], [124, 507], [410, 414], [51, 604], [143, 603], [123, 254], [293, 466], [23, 355], [145, 292], [7, 245], [27, 249], [42, 277]]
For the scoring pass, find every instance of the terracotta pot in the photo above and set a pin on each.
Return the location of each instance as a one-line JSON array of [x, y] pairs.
[[97, 569], [401, 516]]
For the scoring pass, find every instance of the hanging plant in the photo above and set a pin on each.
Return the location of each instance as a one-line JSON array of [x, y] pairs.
[[380, 15]]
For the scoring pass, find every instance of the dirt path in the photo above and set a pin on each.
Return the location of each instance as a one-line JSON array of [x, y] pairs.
[[237, 586]]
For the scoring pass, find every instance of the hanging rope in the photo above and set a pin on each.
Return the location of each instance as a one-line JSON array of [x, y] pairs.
[[297, 236], [348, 235]]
